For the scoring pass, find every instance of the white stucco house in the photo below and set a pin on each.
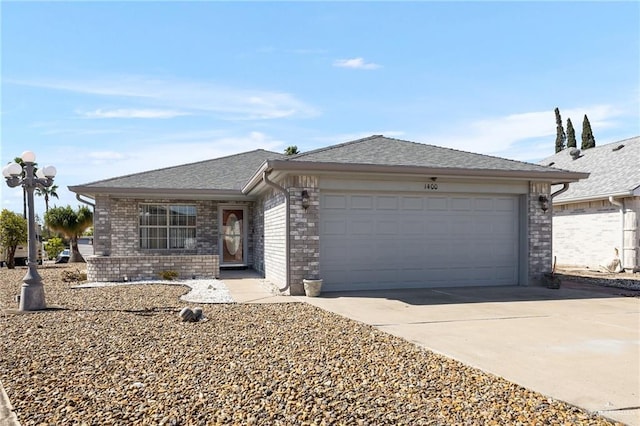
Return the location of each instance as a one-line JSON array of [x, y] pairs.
[[599, 215], [374, 213]]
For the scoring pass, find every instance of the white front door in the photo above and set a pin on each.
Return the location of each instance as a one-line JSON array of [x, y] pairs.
[[232, 238]]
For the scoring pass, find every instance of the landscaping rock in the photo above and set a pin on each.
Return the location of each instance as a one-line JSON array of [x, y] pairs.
[[117, 355]]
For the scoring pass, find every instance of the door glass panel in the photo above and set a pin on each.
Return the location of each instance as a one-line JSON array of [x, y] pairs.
[[232, 228]]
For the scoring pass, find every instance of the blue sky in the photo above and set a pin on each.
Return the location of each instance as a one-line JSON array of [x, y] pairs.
[[103, 89]]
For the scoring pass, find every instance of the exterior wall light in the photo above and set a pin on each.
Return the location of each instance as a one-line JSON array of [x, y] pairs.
[[544, 202], [305, 199], [32, 293]]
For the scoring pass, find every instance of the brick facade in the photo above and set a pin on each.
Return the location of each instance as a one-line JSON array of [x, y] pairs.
[[586, 234], [539, 230], [117, 246], [304, 232], [129, 268]]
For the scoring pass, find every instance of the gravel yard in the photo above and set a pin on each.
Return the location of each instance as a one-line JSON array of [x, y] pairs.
[[119, 355]]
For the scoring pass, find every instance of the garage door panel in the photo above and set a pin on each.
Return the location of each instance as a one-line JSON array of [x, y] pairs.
[[338, 202], [361, 202], [437, 203], [461, 204], [412, 203], [483, 204], [386, 203], [334, 227], [360, 227], [412, 227], [371, 241], [387, 226], [505, 204]]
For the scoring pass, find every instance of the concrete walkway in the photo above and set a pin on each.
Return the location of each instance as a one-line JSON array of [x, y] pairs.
[[579, 345]]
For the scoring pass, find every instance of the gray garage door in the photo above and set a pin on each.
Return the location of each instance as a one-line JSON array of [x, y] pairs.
[[381, 241]]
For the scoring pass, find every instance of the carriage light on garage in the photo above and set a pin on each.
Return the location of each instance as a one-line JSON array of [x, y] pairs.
[[544, 202], [305, 199]]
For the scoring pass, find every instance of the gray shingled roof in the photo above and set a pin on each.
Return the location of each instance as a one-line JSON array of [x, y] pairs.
[[612, 171], [226, 173], [380, 150]]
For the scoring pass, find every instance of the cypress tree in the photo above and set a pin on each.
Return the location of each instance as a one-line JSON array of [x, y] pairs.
[[588, 141], [571, 135], [560, 135]]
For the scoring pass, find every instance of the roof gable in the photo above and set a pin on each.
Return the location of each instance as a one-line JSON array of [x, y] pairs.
[[225, 173], [380, 150], [614, 170]]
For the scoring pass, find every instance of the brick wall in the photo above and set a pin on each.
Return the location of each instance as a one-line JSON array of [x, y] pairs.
[[304, 238], [586, 234], [102, 226], [121, 268], [117, 246], [116, 227], [540, 238]]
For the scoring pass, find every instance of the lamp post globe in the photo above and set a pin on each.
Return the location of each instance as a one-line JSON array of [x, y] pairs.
[[32, 292]]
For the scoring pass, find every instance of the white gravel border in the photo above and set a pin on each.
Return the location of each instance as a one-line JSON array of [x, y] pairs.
[[202, 290]]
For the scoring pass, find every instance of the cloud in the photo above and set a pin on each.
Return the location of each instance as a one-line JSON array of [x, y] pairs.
[[165, 151], [521, 136], [132, 113], [230, 103], [106, 155], [355, 63]]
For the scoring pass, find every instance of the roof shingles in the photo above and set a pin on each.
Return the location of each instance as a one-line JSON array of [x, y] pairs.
[[226, 173], [380, 150], [612, 171]]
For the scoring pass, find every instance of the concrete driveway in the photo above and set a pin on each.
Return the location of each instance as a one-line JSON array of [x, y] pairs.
[[579, 344]]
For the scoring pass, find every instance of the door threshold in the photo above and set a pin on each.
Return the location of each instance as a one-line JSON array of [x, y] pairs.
[[233, 267]]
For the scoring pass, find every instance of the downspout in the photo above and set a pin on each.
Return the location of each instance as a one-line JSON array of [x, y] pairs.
[[621, 205], [265, 179], [565, 187]]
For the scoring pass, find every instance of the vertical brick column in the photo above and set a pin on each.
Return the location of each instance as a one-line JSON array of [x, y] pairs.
[[540, 233], [102, 226], [304, 237]]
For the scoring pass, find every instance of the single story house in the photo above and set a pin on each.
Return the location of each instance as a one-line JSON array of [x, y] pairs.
[[598, 216], [374, 213]]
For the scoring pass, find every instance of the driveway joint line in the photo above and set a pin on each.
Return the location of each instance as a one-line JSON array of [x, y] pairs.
[[463, 320]]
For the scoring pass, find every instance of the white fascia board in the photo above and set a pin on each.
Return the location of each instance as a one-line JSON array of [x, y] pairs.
[[587, 198]]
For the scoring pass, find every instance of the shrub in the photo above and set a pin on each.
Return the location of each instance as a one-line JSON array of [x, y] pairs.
[[168, 275], [53, 247], [75, 276]]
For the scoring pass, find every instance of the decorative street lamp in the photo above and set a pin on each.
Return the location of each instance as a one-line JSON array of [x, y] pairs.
[[32, 294]]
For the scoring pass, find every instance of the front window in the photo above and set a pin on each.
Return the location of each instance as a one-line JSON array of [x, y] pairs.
[[164, 226]]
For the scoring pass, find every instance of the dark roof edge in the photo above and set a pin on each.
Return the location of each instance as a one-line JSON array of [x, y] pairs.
[[177, 166], [92, 190], [554, 176]]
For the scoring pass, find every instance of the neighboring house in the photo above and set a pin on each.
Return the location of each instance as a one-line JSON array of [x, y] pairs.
[[599, 215], [369, 214]]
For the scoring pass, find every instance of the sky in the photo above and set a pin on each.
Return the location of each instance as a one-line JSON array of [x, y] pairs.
[[105, 89]]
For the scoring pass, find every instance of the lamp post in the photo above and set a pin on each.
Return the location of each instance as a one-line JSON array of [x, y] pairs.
[[32, 294]]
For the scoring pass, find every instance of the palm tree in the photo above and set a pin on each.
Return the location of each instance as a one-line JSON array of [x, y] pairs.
[[71, 224], [291, 150], [47, 192], [24, 190], [20, 161]]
